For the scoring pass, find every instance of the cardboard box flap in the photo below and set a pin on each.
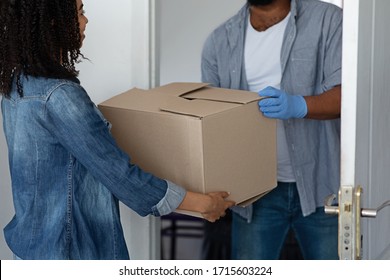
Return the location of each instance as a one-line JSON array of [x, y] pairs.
[[223, 95], [195, 108], [136, 99], [178, 89], [122, 100]]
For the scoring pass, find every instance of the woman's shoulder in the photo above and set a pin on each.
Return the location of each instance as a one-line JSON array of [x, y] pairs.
[[43, 87], [70, 85]]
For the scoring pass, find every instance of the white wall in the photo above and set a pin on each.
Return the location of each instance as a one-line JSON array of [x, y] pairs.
[[182, 29], [114, 32]]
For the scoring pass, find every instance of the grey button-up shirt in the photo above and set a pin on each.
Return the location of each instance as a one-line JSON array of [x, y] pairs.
[[311, 64]]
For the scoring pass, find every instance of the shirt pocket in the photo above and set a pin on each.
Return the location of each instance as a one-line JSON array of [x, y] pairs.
[[304, 67]]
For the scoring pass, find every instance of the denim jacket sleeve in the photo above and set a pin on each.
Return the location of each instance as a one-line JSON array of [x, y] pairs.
[[73, 119]]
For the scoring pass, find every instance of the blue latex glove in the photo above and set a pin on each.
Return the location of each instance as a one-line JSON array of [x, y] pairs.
[[281, 105]]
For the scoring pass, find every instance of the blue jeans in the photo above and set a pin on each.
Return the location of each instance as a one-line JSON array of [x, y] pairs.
[[273, 216]]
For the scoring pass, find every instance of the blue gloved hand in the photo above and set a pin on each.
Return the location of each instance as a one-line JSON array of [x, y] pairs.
[[280, 105]]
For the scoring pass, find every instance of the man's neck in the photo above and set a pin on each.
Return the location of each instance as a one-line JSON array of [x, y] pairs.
[[263, 17]]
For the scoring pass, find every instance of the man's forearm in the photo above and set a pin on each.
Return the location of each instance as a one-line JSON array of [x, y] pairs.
[[326, 106]]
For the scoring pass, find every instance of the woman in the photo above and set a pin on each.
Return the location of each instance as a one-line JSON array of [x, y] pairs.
[[67, 171]]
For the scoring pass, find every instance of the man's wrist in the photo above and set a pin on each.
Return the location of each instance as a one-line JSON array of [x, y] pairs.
[[301, 106]]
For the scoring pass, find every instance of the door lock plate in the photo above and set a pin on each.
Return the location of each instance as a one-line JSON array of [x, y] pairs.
[[350, 213], [349, 232]]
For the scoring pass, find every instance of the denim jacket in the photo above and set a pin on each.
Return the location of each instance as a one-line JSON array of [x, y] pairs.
[[68, 175], [311, 65]]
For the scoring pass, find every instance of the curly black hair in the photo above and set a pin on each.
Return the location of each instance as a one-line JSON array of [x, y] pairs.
[[38, 38]]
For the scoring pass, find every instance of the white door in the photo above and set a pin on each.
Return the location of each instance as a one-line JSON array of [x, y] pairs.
[[365, 136]]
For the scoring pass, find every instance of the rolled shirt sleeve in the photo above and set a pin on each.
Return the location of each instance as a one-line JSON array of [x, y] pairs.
[[172, 199]]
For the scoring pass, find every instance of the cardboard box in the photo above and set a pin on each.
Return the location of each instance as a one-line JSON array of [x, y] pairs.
[[203, 138]]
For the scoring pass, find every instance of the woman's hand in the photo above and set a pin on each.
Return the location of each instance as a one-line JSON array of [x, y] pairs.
[[217, 206], [212, 205]]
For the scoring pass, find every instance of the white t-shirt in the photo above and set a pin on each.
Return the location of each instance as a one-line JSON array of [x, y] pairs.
[[263, 68]]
